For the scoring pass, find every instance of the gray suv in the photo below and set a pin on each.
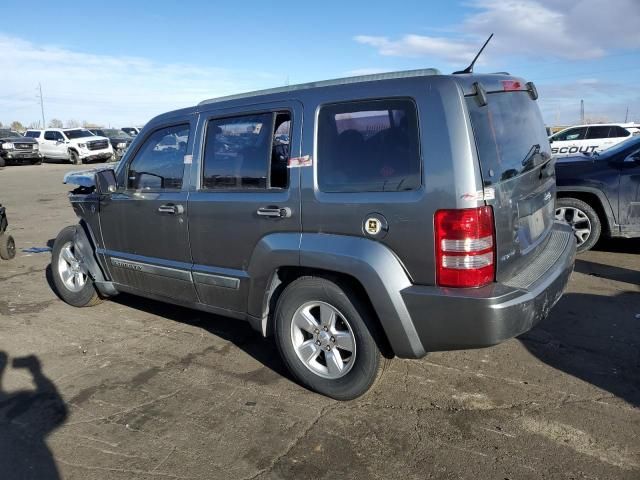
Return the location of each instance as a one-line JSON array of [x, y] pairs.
[[352, 220]]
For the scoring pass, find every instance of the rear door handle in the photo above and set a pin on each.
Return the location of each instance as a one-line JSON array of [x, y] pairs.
[[171, 209], [274, 212]]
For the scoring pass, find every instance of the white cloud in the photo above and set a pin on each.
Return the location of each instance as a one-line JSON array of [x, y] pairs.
[[582, 29], [104, 88]]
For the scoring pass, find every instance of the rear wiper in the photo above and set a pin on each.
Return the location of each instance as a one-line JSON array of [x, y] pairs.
[[527, 162]]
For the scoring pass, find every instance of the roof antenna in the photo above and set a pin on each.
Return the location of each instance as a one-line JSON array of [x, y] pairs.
[[469, 69]]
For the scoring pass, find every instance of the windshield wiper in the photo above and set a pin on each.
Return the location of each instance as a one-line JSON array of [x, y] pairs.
[[527, 162]]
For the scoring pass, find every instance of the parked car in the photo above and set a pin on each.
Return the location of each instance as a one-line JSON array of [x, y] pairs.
[[120, 141], [590, 138], [131, 131], [78, 145], [14, 148], [600, 193], [7, 244], [410, 212]]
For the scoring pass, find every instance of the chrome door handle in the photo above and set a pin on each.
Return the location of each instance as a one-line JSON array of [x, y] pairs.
[[274, 212], [171, 209]]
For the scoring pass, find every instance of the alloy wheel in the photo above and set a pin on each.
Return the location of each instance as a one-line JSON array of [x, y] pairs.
[[323, 340]]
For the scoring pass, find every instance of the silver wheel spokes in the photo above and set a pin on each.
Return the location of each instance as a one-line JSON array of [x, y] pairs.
[[578, 220], [70, 269], [323, 340]]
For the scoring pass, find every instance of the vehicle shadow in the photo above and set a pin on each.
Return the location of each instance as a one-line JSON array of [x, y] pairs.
[[27, 417], [618, 245], [238, 332], [593, 338], [611, 272]]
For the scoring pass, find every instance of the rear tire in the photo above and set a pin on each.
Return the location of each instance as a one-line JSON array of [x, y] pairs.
[[74, 157], [582, 218], [2, 162], [325, 336], [7, 247], [70, 278]]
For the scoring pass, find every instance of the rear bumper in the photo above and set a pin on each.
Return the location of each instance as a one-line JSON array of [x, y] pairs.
[[453, 319]]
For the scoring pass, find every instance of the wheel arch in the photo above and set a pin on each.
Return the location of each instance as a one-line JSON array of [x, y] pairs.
[[597, 201], [367, 267]]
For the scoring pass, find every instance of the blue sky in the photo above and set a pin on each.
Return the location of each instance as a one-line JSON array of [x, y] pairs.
[[118, 63]]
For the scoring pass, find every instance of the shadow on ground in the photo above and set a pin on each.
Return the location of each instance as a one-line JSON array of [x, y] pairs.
[[593, 338], [27, 417], [238, 332]]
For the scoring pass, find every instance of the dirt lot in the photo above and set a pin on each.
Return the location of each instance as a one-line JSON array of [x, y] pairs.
[[138, 389]]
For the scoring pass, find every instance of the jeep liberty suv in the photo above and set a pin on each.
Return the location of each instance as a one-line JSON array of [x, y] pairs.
[[350, 220]]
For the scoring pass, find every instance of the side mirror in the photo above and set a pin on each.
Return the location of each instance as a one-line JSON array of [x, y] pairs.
[[106, 182]]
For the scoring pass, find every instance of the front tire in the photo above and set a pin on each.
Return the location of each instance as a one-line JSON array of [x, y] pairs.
[[71, 279], [325, 335], [7, 247], [74, 157], [583, 219], [2, 162]]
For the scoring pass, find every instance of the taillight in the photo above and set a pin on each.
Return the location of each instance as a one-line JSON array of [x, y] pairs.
[[465, 247]]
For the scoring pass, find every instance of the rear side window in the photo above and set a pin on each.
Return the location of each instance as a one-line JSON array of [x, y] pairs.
[[617, 132], [598, 132], [32, 134], [159, 164], [370, 146], [247, 152]]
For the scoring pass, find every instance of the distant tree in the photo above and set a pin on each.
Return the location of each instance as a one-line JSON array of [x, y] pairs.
[[55, 123], [73, 124], [0, 124], [87, 124], [35, 124], [17, 126]]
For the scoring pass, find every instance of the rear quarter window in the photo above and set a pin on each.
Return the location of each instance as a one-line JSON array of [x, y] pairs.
[[368, 146]]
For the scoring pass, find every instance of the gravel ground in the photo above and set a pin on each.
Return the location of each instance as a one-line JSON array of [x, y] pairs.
[[134, 388]]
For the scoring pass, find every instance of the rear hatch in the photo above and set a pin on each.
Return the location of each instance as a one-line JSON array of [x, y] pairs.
[[517, 173]]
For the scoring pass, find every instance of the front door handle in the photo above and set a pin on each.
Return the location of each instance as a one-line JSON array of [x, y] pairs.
[[274, 212], [171, 209]]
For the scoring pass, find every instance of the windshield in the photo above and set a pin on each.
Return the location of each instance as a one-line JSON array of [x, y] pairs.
[[113, 133], [78, 133], [625, 147], [510, 135], [8, 133]]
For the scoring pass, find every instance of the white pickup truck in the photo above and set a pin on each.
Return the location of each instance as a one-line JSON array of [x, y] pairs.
[[78, 145]]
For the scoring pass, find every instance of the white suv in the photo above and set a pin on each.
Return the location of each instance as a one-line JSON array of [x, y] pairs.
[[590, 138], [78, 145]]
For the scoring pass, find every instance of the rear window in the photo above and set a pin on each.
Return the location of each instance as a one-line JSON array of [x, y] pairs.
[[510, 135], [370, 146]]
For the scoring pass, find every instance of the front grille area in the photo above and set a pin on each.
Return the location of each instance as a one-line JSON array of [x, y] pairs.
[[97, 144], [23, 146]]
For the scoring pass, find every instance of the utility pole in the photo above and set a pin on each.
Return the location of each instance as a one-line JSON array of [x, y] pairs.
[[44, 125], [626, 115], [581, 112]]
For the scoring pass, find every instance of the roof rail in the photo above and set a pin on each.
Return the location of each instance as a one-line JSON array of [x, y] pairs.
[[327, 83]]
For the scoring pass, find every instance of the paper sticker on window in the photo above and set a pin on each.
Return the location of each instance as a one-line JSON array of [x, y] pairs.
[[188, 159], [296, 162]]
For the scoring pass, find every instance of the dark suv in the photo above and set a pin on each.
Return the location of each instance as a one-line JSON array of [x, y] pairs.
[[14, 148], [601, 193], [353, 220]]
